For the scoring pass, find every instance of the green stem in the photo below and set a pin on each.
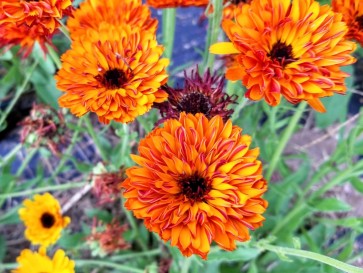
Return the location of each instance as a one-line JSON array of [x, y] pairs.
[[95, 138], [169, 16], [212, 33], [63, 28], [10, 155], [312, 256], [68, 151], [67, 186], [186, 265], [54, 56], [136, 255], [25, 161], [18, 93], [100, 263], [276, 157]]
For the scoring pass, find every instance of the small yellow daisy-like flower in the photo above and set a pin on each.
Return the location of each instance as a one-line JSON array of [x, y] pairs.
[[39, 262], [43, 219]]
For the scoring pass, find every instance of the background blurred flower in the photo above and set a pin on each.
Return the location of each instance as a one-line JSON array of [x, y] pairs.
[[176, 3], [43, 13], [92, 13], [294, 49], [231, 7], [43, 219], [197, 182], [39, 262], [352, 11], [110, 239], [200, 94], [115, 73], [106, 185], [44, 127]]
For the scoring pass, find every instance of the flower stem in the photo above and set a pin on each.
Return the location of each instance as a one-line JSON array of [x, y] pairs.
[[95, 138], [212, 33], [100, 263], [54, 56], [148, 253], [312, 256], [67, 186], [64, 30], [18, 93], [10, 155], [284, 139], [169, 16], [26, 161]]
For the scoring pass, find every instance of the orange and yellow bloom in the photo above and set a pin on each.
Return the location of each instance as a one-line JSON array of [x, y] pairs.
[[43, 219], [39, 262], [177, 3], [115, 72], [290, 49], [92, 13], [197, 182], [352, 11]]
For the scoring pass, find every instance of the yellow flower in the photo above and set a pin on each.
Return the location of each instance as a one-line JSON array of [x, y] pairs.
[[43, 219], [39, 262]]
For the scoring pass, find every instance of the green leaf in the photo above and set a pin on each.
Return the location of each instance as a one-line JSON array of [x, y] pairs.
[[240, 254], [357, 184], [2, 247], [331, 204], [102, 215], [71, 241]]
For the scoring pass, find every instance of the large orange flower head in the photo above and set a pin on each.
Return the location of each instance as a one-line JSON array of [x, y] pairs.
[[25, 36], [352, 11], [92, 12], [177, 3], [291, 49], [197, 182], [115, 72], [43, 13]]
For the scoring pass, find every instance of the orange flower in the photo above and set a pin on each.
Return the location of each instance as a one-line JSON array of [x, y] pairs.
[[12, 35], [44, 13], [92, 12], [294, 49], [232, 7], [197, 182], [177, 3], [115, 73], [352, 11]]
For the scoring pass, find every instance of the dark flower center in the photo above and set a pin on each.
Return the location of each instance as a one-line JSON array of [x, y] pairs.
[[194, 187], [47, 220], [193, 103], [236, 2], [359, 20], [282, 53], [113, 78]]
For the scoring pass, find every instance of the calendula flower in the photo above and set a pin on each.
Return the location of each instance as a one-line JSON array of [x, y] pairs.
[[293, 49], [93, 12], [44, 127], [200, 94], [43, 219], [177, 3], [43, 13], [231, 7], [115, 73], [197, 182], [39, 262], [352, 11], [25, 36]]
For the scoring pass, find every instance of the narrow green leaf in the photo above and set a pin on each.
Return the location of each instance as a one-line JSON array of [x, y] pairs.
[[331, 204]]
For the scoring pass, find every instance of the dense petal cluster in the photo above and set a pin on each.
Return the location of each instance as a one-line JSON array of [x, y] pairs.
[[352, 11], [290, 49], [200, 94], [231, 7], [26, 22], [43, 219], [115, 72], [197, 182], [94, 12], [177, 3], [39, 262]]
